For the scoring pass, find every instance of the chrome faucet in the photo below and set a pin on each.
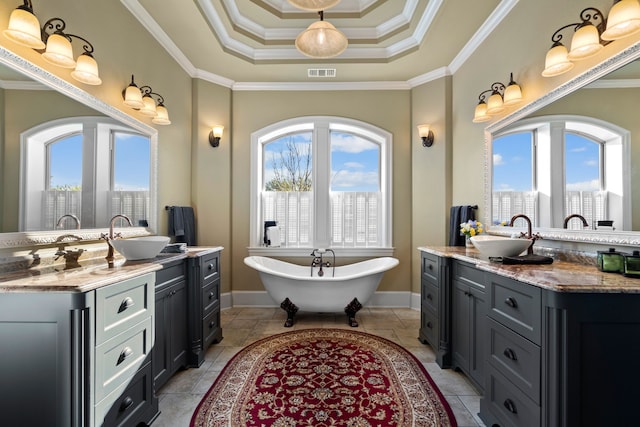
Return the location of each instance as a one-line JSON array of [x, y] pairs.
[[73, 217], [569, 217], [529, 234], [317, 261], [109, 237]]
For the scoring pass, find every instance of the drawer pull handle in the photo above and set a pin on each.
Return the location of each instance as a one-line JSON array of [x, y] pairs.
[[126, 303], [211, 295], [210, 266], [429, 297], [511, 407], [126, 404], [511, 302], [430, 267], [510, 354], [126, 352], [429, 325]]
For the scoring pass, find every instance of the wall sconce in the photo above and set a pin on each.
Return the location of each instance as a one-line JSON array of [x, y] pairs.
[[623, 20], [53, 43], [215, 135], [426, 134], [141, 98], [501, 97]]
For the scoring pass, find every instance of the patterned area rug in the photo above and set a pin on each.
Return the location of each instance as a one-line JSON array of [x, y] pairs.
[[321, 378]]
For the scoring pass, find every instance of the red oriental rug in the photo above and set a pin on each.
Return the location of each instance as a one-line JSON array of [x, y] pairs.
[[321, 378]]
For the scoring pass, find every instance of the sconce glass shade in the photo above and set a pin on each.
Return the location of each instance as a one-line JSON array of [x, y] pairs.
[[495, 105], [149, 106], [585, 43], [86, 70], [218, 130], [556, 61], [623, 20], [24, 29], [59, 52], [321, 40], [480, 114], [162, 115], [423, 130], [512, 95], [133, 96], [314, 5]]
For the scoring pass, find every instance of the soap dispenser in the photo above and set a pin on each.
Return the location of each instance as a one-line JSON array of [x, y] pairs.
[[611, 261], [632, 264]]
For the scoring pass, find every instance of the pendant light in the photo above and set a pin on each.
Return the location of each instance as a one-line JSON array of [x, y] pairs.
[[321, 40]]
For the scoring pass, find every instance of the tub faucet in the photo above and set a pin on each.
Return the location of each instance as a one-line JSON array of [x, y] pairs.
[[569, 217], [109, 237], [529, 234], [73, 217], [317, 261]]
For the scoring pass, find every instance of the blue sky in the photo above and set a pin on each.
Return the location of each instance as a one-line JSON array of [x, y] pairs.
[[132, 162], [354, 160], [512, 163]]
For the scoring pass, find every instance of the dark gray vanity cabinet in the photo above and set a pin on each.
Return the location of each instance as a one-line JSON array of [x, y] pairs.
[[435, 314], [469, 310], [204, 304], [171, 345]]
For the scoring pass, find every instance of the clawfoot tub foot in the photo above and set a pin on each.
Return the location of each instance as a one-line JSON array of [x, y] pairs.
[[291, 310], [351, 310]]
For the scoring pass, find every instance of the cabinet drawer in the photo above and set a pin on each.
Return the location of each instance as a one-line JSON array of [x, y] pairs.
[[509, 404], [210, 297], [430, 270], [430, 296], [429, 328], [118, 359], [128, 404], [468, 274], [170, 274], [515, 357], [210, 326], [122, 305], [517, 306], [210, 268]]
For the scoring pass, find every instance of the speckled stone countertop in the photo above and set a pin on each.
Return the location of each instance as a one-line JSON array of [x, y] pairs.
[[560, 276], [92, 274]]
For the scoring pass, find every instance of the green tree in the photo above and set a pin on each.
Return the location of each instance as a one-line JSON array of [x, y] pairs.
[[291, 168]]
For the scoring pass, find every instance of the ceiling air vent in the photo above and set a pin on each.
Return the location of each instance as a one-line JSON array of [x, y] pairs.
[[321, 72]]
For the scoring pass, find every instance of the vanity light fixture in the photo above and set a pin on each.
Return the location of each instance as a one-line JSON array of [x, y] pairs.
[[426, 134], [24, 29], [142, 99], [321, 40], [623, 20], [314, 5], [215, 135], [585, 43], [501, 97]]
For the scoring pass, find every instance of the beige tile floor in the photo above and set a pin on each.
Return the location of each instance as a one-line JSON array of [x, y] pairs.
[[242, 326]]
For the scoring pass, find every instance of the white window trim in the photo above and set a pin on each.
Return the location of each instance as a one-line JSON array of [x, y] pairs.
[[321, 124]]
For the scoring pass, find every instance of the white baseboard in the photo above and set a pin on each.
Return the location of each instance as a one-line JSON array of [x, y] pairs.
[[262, 299]]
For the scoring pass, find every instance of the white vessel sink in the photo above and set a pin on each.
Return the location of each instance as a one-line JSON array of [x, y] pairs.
[[496, 246], [140, 247]]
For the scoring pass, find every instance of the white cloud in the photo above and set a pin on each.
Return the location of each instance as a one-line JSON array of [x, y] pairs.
[[591, 163], [348, 143], [578, 149], [498, 160], [349, 179], [504, 187], [353, 165], [593, 185]]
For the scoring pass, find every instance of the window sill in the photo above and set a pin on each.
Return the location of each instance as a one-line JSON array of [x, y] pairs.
[[306, 252]]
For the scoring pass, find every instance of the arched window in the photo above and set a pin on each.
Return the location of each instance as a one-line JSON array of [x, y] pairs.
[[325, 181], [88, 167]]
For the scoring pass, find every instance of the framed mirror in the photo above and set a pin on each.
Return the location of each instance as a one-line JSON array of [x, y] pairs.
[[72, 164], [578, 143]]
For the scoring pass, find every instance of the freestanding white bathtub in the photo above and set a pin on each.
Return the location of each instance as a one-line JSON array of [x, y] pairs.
[[296, 288]]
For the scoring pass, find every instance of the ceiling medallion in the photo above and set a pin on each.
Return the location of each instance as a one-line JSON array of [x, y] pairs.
[[314, 5]]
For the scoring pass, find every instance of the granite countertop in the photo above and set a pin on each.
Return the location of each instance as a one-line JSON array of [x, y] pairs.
[[560, 276], [93, 273]]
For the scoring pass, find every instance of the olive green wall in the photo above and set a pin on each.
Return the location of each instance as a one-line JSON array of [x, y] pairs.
[[389, 110]]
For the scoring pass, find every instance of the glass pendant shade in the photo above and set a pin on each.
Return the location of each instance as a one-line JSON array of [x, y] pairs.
[[162, 115], [86, 70], [495, 105], [133, 97], [149, 107], [480, 114], [512, 95], [314, 5], [623, 20], [59, 52], [556, 61], [321, 40], [24, 29], [585, 43]]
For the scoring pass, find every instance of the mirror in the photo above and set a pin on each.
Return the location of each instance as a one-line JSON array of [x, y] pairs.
[[98, 126], [596, 107]]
